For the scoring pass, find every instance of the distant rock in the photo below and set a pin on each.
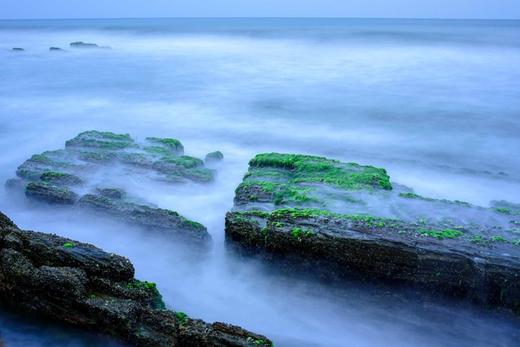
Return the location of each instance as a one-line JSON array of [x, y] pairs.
[[48, 276], [61, 176], [55, 49], [214, 157], [80, 44], [18, 49], [344, 220]]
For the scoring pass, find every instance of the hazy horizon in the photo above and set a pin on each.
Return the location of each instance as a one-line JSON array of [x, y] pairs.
[[442, 9]]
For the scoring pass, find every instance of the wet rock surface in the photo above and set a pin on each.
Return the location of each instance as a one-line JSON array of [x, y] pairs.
[[66, 176], [344, 220], [78, 284]]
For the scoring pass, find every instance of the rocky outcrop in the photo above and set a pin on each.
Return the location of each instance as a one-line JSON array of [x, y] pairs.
[[343, 220], [78, 284], [214, 157], [61, 177], [81, 44]]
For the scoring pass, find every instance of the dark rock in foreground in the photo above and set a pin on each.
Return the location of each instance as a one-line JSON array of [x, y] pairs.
[[343, 220], [60, 177], [75, 283]]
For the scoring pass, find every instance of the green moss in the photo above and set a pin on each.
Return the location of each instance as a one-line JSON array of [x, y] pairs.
[[312, 169], [136, 284], [42, 159], [199, 174], [479, 239], [410, 196], [60, 178], [69, 245], [97, 157], [101, 140], [498, 239], [503, 210], [156, 150], [181, 317], [299, 213], [441, 234], [301, 233], [191, 224], [167, 142], [184, 161], [258, 342]]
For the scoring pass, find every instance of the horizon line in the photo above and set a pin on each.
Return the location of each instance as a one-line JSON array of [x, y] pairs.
[[265, 17]]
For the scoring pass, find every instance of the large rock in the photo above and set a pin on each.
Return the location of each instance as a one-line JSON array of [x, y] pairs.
[[62, 176], [110, 202], [75, 283], [341, 221]]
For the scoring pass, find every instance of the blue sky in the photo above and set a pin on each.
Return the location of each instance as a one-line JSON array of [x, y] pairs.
[[11, 9]]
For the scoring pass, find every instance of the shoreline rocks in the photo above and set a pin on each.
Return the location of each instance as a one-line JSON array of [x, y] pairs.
[[78, 284], [344, 220], [62, 177]]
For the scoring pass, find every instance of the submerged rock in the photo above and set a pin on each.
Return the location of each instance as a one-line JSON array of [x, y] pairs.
[[343, 220], [61, 176], [18, 49], [78, 284], [214, 156]]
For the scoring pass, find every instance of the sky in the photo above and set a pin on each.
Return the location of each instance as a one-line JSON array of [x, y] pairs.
[[492, 9]]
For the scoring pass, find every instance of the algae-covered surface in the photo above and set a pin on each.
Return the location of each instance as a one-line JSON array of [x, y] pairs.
[[90, 170], [319, 186]]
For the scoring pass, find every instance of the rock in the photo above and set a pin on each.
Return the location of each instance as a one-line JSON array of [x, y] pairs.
[[78, 284], [112, 193], [60, 176], [170, 144], [159, 219], [18, 49], [50, 193], [342, 221], [80, 44], [54, 49], [214, 156]]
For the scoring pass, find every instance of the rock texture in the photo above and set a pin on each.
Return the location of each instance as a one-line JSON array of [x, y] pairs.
[[61, 177], [79, 284], [342, 220]]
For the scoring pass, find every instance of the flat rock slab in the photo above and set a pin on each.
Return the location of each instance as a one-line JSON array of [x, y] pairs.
[[344, 220], [81, 285], [61, 177]]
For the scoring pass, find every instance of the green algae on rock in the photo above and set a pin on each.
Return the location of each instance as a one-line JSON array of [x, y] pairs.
[[62, 176], [343, 221], [52, 277]]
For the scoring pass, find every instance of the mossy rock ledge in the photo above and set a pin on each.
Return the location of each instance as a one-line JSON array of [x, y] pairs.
[[78, 284], [61, 177], [344, 221]]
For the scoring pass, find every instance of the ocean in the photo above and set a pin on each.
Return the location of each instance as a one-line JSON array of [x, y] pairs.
[[435, 102]]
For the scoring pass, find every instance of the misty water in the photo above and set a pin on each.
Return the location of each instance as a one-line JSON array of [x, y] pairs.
[[437, 103]]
